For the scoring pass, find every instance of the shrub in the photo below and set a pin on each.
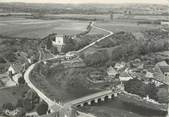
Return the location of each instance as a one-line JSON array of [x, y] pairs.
[[8, 106], [163, 95], [42, 108], [136, 86], [97, 58]]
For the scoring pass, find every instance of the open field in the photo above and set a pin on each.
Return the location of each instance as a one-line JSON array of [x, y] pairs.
[[38, 28], [35, 28], [126, 26], [11, 94]]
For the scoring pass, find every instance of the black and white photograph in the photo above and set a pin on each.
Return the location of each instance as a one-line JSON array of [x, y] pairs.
[[84, 58]]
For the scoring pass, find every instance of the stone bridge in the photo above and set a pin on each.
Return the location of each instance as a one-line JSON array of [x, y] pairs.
[[93, 98]]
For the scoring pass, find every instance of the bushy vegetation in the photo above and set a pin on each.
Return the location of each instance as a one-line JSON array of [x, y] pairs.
[[163, 94], [86, 40], [9, 47], [138, 48], [42, 108], [118, 38], [137, 87], [156, 34], [97, 58]]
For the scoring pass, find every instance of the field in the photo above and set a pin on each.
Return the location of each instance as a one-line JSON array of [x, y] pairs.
[[116, 26], [11, 95], [36, 28]]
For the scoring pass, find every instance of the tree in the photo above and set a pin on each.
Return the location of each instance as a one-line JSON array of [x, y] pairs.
[[21, 112], [96, 58], [21, 80], [32, 97], [8, 106], [136, 86], [42, 108], [163, 95], [28, 105], [151, 91]]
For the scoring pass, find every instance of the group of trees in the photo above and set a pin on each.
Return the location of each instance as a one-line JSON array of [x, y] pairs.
[[29, 102], [9, 47], [137, 48], [118, 38], [137, 87], [156, 34], [97, 58]]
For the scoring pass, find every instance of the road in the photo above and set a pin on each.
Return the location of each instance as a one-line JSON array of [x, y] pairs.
[[53, 104], [93, 43], [30, 84]]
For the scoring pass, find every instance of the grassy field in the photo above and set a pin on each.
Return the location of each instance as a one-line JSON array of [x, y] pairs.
[[116, 26], [11, 94], [36, 28]]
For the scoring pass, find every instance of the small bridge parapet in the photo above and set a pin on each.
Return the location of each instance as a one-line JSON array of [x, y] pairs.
[[93, 98]]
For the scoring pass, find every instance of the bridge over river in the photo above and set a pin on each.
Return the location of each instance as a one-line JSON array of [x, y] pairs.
[[95, 98]]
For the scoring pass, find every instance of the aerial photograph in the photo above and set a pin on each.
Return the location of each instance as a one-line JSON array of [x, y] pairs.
[[84, 58]]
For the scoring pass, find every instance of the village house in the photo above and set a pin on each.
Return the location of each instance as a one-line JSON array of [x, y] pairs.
[[124, 76], [111, 72], [15, 70], [71, 55], [11, 113], [119, 66], [32, 114], [161, 72], [165, 23]]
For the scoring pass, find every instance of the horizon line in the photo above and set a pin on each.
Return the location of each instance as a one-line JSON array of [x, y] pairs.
[[85, 3]]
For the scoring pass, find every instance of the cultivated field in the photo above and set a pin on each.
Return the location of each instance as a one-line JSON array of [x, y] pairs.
[[116, 26], [36, 28]]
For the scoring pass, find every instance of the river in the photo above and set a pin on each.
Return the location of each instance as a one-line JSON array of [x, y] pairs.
[[116, 108]]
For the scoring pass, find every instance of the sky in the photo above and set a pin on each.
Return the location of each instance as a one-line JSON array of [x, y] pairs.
[[91, 1]]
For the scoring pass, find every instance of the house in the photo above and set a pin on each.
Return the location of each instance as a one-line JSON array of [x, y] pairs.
[[61, 42], [71, 55], [149, 74], [165, 23], [119, 66], [111, 71], [32, 114], [161, 72], [124, 76], [11, 113], [15, 70]]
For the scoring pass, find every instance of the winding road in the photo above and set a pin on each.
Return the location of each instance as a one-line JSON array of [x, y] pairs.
[[52, 104]]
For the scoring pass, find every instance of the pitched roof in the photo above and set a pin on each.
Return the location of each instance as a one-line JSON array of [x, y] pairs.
[[50, 115], [17, 67], [162, 63], [160, 77], [164, 68], [124, 74], [111, 71]]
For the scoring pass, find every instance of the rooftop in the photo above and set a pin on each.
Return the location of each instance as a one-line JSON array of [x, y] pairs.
[[164, 69]]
